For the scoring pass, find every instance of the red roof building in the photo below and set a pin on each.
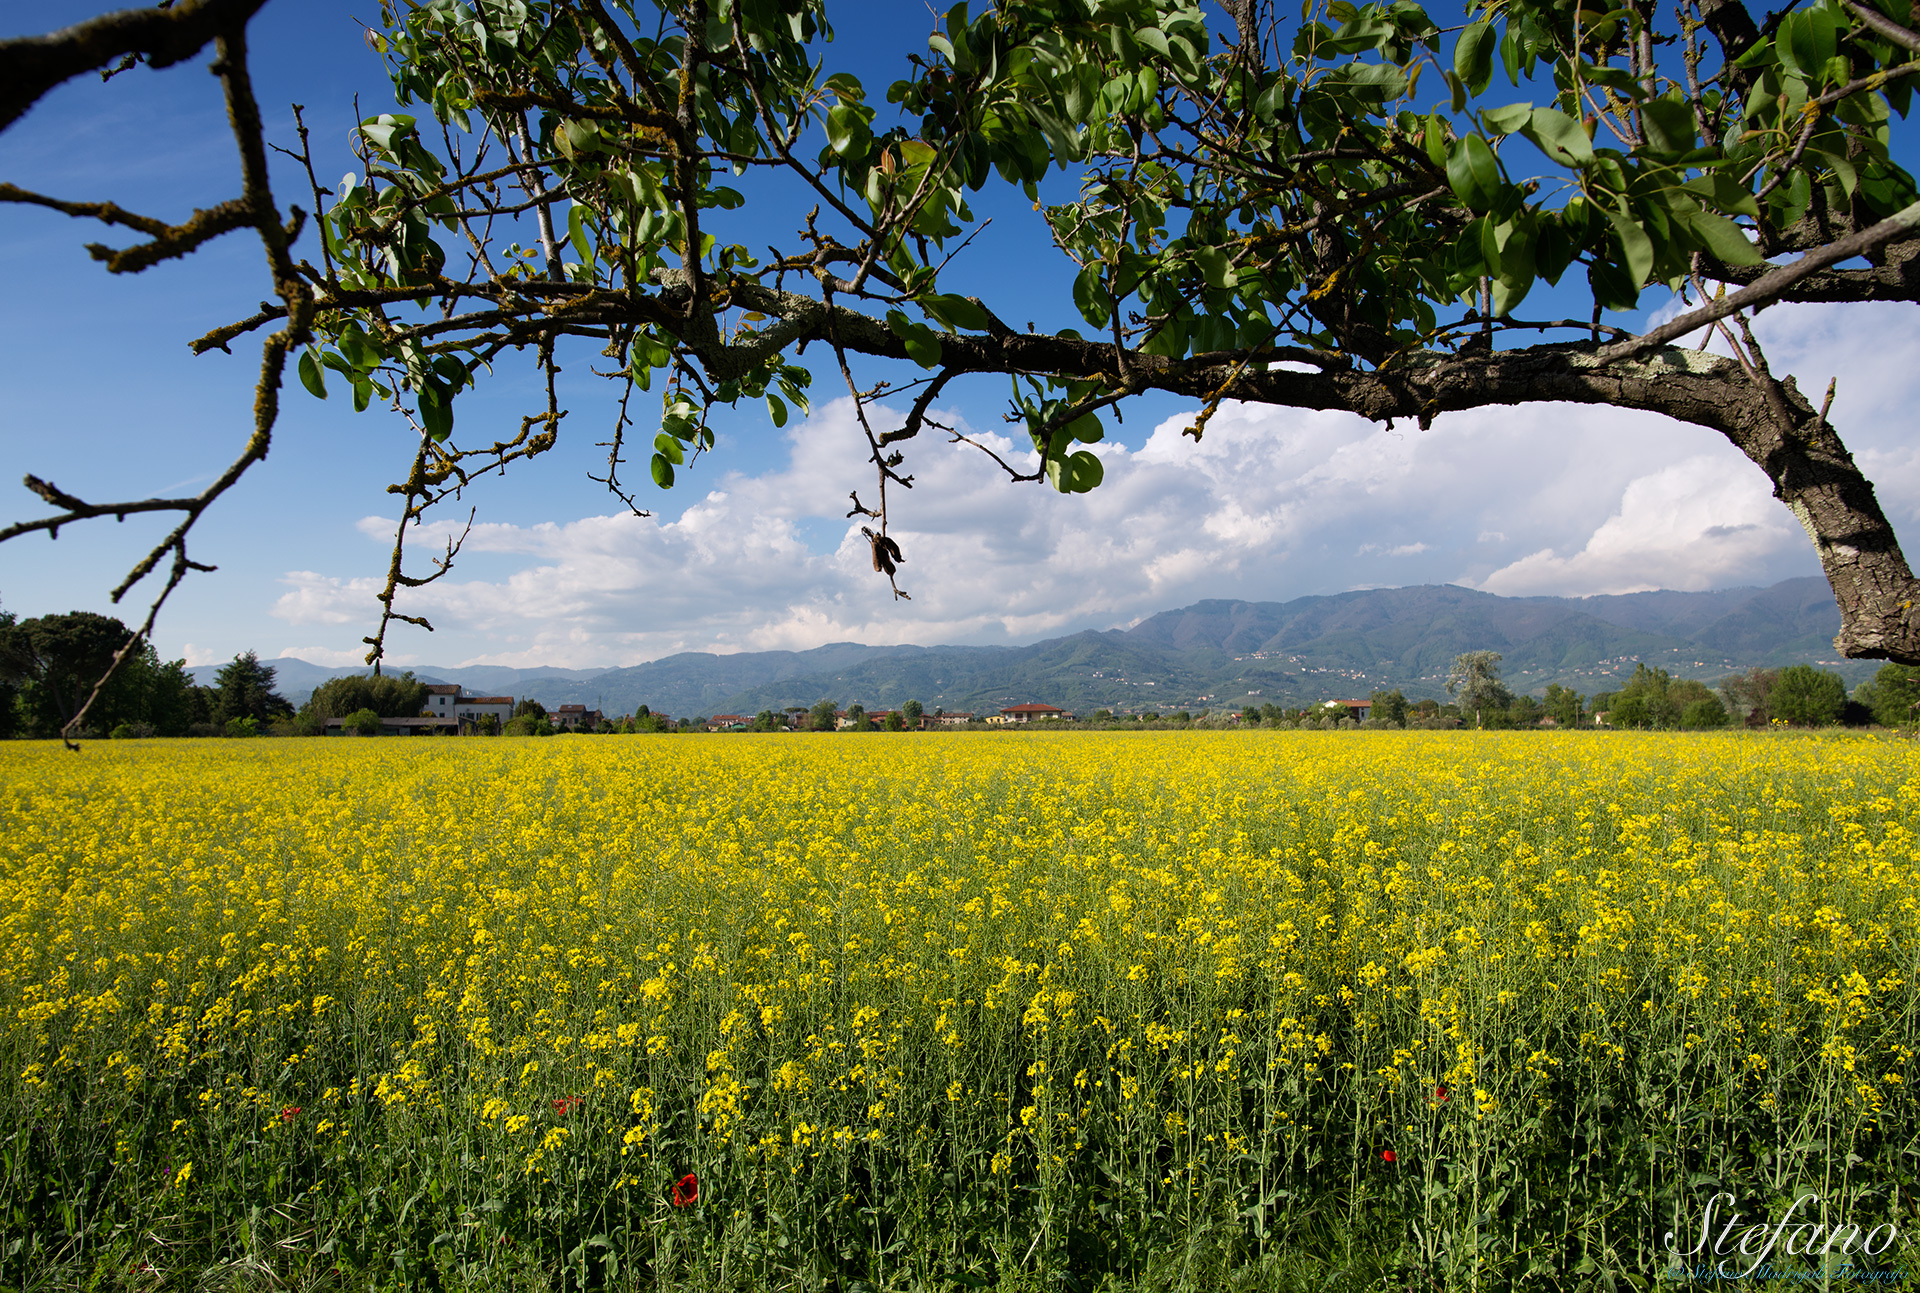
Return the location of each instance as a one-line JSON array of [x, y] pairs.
[[1028, 713]]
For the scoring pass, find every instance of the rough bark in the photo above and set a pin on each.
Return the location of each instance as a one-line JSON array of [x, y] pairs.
[[32, 65]]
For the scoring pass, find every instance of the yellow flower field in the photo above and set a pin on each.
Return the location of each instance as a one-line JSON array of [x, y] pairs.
[[950, 1010]]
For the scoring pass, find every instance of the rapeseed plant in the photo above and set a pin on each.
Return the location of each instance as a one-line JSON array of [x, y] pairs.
[[1162, 1010]]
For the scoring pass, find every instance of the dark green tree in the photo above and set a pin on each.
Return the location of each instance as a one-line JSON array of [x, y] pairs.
[[390, 696], [1704, 713], [821, 717], [1648, 690], [9, 683], [55, 662], [911, 715], [1389, 707], [1894, 696], [1563, 704], [857, 718], [1630, 709], [1807, 697], [244, 689]]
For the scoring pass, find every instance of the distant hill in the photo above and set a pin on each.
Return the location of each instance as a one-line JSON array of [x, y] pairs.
[[1221, 653]]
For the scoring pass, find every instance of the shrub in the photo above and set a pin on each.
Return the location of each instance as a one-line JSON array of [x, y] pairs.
[[1707, 712], [1807, 697]]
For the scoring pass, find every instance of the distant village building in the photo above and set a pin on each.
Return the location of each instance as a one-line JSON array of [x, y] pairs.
[[960, 719], [1029, 713], [1356, 709], [728, 722], [447, 710], [575, 717], [471, 710]]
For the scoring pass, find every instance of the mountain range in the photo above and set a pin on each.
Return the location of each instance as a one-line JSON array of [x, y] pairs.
[[1219, 654]]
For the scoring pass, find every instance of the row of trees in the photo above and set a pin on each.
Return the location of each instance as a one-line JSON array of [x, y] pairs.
[[49, 666], [1799, 695]]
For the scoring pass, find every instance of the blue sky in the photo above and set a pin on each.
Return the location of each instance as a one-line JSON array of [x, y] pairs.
[[752, 549]]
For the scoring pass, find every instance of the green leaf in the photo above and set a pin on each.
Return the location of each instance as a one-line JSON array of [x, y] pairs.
[[384, 130], [777, 409], [1638, 248], [1724, 192], [1806, 41], [1552, 249], [1216, 268], [310, 376], [436, 410], [669, 448], [1434, 136], [955, 311], [847, 132], [1668, 125], [1473, 172], [846, 87], [1559, 136], [1723, 238], [662, 472], [577, 233], [1090, 294], [1087, 471], [1504, 121], [1473, 56], [1267, 107], [1086, 428], [1075, 473], [1513, 54], [921, 342]]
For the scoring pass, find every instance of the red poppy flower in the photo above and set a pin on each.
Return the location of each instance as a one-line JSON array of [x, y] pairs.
[[1388, 1156], [1441, 1095], [686, 1190], [289, 1113], [566, 1104]]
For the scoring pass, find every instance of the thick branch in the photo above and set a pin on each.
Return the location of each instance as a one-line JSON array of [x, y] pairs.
[[32, 65]]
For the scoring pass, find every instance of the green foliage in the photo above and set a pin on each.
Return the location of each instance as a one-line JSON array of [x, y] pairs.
[[244, 690], [1706, 713], [1389, 707], [911, 714], [1895, 696], [1563, 704], [389, 696], [821, 717], [1195, 246], [362, 722], [1807, 697]]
